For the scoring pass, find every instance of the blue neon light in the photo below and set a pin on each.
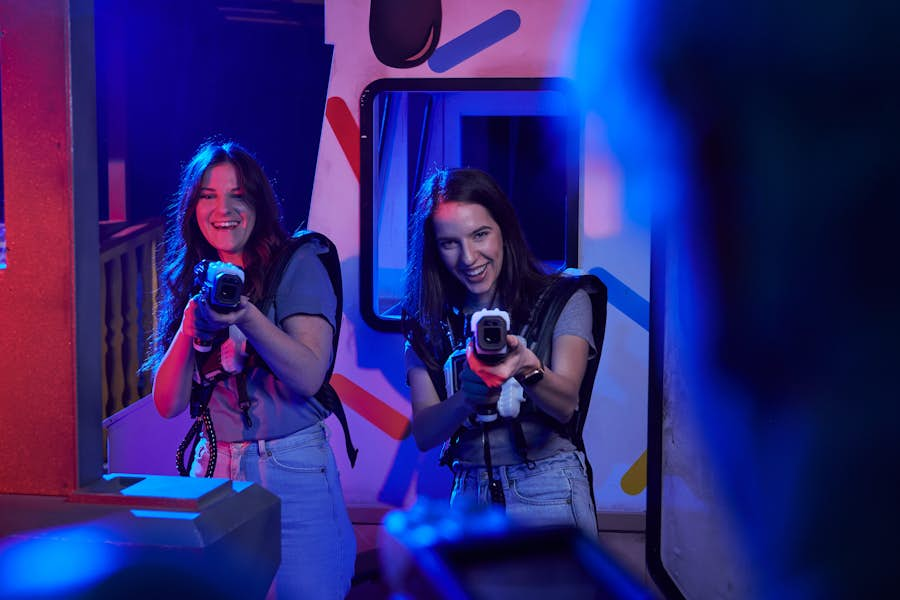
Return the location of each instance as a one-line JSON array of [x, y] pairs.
[[58, 563]]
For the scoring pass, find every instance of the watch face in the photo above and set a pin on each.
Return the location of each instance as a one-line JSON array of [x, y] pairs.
[[533, 377]]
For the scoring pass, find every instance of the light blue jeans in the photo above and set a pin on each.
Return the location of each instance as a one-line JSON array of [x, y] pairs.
[[318, 547], [553, 491]]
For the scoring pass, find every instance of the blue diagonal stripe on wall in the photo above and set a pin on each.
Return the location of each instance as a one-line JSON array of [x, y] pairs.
[[475, 40], [624, 298]]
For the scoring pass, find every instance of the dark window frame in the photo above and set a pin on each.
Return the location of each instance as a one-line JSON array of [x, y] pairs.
[[367, 255]]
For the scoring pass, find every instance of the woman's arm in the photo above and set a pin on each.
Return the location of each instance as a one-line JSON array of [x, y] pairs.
[[299, 355], [434, 421], [557, 393], [173, 379], [172, 382], [297, 345]]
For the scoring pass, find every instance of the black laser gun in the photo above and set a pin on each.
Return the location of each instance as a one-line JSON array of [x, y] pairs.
[[220, 285], [489, 329]]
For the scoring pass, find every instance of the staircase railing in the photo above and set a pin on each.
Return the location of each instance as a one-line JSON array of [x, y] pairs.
[[128, 278]]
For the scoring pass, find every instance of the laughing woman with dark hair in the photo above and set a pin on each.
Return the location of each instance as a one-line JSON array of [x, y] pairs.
[[267, 422], [468, 253]]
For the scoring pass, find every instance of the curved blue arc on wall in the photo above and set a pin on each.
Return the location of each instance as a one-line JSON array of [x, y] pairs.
[[470, 43]]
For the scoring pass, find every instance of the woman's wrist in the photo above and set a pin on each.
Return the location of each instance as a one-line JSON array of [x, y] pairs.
[[528, 362], [247, 314], [183, 334], [531, 373]]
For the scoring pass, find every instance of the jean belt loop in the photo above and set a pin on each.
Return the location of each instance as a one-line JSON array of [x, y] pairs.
[[503, 476], [261, 446], [582, 459]]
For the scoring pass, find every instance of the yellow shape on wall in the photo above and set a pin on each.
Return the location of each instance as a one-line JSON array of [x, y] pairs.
[[634, 481]]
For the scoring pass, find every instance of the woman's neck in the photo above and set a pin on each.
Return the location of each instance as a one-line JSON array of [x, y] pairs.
[[235, 259], [474, 303]]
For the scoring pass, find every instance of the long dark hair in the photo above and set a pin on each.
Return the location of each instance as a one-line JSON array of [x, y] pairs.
[[185, 246], [432, 292]]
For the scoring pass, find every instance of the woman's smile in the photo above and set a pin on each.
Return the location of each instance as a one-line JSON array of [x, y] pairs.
[[225, 216], [471, 247]]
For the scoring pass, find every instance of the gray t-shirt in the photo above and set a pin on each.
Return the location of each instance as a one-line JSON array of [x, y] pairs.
[[275, 410], [576, 319]]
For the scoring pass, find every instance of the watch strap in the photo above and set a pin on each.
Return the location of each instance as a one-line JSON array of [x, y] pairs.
[[531, 377]]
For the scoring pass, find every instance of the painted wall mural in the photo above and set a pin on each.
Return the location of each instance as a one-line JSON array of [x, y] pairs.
[[474, 39]]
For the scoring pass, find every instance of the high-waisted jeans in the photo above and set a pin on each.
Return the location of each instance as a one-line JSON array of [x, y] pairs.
[[318, 547], [553, 491]]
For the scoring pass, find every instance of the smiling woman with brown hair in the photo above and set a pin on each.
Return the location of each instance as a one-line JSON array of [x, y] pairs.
[[468, 253], [268, 420]]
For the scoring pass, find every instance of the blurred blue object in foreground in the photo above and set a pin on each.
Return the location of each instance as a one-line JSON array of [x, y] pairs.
[[431, 551]]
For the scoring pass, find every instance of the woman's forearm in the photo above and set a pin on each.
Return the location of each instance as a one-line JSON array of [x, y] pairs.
[[555, 395], [433, 424], [557, 392], [173, 379], [299, 357]]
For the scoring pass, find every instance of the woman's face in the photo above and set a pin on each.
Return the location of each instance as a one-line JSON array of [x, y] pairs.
[[224, 215], [471, 246]]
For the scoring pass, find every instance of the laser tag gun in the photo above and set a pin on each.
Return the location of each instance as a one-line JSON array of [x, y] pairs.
[[220, 285], [489, 328]]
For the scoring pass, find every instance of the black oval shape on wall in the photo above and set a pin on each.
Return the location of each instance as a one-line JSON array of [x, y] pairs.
[[404, 33]]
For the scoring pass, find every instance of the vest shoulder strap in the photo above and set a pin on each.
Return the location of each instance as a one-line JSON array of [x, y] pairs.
[[328, 255], [538, 333]]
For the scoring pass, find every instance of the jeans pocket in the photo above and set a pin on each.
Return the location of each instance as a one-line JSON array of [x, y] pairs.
[[300, 459], [546, 488]]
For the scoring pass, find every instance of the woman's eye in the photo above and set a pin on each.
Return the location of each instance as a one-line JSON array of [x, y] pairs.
[[446, 244], [481, 235]]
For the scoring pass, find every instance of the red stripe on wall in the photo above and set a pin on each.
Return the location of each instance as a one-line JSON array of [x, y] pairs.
[[371, 408], [345, 129]]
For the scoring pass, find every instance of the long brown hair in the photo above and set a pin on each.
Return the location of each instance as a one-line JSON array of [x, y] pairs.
[[185, 246], [432, 292]]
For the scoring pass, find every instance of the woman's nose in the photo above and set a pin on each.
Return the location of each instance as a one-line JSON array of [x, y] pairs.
[[224, 205], [467, 253]]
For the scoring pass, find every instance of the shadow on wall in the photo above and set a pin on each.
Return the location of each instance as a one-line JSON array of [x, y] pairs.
[[141, 441]]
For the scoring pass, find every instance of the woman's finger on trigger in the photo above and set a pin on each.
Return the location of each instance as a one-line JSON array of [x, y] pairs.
[[204, 311], [514, 342], [192, 307]]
